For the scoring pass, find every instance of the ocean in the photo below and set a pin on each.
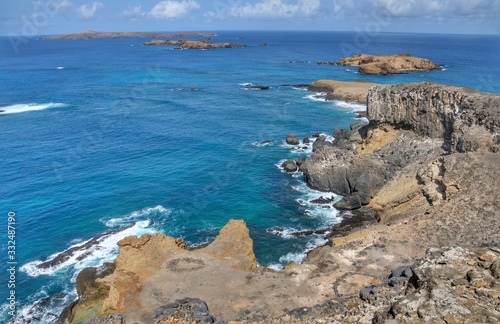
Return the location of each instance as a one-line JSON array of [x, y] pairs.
[[105, 134]]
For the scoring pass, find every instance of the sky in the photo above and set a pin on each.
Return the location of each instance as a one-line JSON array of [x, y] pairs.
[[46, 17]]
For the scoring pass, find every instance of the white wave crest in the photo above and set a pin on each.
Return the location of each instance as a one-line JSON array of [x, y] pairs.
[[297, 257], [19, 108], [105, 250], [318, 96], [352, 106], [146, 213]]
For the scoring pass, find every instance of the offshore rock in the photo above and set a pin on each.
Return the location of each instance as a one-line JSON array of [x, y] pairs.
[[289, 166], [187, 44], [385, 64], [292, 139]]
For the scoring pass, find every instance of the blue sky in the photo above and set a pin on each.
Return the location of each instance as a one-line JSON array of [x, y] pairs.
[[42, 17]]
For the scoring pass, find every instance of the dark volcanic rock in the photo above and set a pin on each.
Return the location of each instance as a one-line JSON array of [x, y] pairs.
[[319, 144], [300, 161], [292, 139], [186, 310], [321, 200], [338, 171], [349, 202], [257, 87], [306, 140], [289, 166], [266, 142]]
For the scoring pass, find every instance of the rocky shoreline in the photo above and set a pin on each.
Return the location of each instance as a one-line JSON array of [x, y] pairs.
[[354, 91], [426, 167]]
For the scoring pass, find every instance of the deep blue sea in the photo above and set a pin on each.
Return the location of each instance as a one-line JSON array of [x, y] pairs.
[[97, 135]]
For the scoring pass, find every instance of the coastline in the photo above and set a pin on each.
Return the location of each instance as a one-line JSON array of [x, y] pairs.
[[442, 195]]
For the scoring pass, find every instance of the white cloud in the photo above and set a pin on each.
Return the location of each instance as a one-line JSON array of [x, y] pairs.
[[274, 9], [88, 11], [173, 9], [418, 8], [132, 13]]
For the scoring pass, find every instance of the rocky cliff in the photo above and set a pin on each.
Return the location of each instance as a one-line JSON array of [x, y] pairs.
[[433, 256], [408, 123], [465, 119]]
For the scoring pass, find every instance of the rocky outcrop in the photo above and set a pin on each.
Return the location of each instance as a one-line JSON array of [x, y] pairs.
[[187, 44], [289, 166], [388, 64], [354, 91], [408, 123], [292, 139], [465, 119]]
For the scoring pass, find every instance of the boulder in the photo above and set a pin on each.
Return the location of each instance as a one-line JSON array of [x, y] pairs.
[[322, 200], [292, 139], [305, 140], [266, 142], [186, 310], [335, 170], [289, 166], [354, 201]]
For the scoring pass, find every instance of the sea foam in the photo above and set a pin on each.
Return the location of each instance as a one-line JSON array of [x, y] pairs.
[[19, 108], [104, 250]]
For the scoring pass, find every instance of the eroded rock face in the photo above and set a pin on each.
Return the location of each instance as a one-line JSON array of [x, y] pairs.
[[465, 119], [388, 64]]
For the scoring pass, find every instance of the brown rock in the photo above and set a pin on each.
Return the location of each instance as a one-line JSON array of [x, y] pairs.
[[234, 243], [388, 64]]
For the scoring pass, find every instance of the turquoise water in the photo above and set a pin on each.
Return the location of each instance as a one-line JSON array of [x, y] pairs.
[[102, 134]]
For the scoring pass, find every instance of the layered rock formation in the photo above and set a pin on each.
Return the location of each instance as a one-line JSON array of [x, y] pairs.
[[187, 44], [388, 64], [354, 91], [466, 119]]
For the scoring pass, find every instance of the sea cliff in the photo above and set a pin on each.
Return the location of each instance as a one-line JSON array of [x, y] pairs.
[[427, 164]]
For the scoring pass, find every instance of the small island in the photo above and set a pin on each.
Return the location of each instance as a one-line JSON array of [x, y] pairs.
[[389, 64], [90, 34], [188, 44]]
